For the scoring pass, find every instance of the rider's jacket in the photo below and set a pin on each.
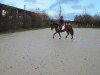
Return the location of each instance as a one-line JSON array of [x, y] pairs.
[[61, 21]]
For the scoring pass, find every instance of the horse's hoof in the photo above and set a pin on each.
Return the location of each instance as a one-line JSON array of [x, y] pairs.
[[65, 37], [53, 37], [71, 38], [59, 38]]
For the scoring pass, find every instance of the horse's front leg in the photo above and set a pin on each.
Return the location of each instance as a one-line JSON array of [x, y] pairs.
[[59, 35]]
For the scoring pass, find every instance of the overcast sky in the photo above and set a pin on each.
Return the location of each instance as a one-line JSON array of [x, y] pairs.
[[69, 7]]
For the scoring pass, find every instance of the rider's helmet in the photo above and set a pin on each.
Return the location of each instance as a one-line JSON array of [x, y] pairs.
[[61, 17]]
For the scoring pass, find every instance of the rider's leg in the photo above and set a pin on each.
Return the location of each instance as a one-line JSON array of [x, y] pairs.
[[60, 27]]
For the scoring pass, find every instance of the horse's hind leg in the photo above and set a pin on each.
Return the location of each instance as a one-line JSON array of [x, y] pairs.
[[59, 35], [67, 34], [72, 33], [71, 36]]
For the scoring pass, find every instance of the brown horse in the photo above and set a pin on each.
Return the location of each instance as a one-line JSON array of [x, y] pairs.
[[67, 28]]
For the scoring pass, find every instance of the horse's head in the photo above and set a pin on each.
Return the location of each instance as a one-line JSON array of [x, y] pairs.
[[54, 25]]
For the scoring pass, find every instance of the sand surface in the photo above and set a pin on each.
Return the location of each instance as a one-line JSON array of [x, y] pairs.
[[36, 53]]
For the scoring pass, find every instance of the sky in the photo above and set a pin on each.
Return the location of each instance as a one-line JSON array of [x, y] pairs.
[[69, 8]]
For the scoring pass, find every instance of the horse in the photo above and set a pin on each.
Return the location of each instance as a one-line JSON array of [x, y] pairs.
[[67, 28]]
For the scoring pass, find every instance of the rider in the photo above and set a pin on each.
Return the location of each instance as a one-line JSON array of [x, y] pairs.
[[61, 22]]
